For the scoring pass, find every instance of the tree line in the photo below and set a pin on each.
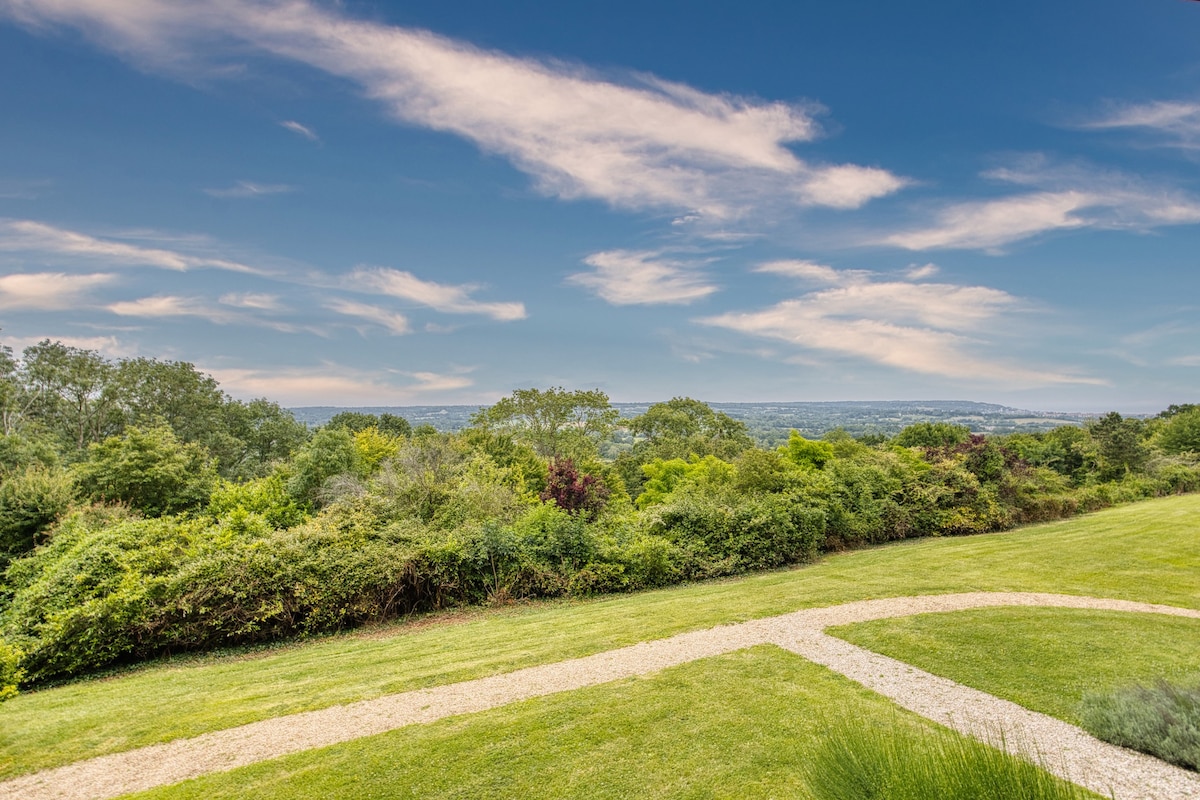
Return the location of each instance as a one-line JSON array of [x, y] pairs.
[[143, 512]]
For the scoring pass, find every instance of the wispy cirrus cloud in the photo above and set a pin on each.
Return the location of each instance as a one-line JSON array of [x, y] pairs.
[[252, 300], [391, 320], [1065, 198], [49, 291], [302, 130], [639, 142], [447, 298], [331, 384], [50, 242], [167, 307], [923, 328], [643, 277], [250, 189], [1176, 122]]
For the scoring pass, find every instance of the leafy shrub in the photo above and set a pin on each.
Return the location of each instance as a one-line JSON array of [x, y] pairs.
[[853, 762], [267, 497], [807, 453], [86, 598], [574, 493], [150, 469], [1162, 720], [30, 502], [329, 452], [932, 435], [11, 673]]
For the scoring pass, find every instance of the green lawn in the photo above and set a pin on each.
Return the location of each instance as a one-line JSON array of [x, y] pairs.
[[1042, 658], [1146, 551], [740, 726]]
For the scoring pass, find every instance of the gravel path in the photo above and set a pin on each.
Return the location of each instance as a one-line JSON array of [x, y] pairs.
[[1065, 749]]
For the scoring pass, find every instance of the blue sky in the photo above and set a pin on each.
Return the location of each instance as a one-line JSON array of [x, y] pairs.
[[372, 203]]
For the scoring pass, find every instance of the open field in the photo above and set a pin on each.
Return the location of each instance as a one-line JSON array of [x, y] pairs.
[[1146, 551]]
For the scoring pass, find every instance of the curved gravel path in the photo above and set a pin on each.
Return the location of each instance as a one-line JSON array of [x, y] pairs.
[[1065, 749]]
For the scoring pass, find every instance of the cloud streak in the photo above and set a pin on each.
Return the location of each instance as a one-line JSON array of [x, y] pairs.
[[250, 189], [447, 298], [639, 143], [302, 130], [1069, 198], [331, 384], [49, 291], [1177, 122], [629, 277], [394, 322], [923, 328], [50, 242]]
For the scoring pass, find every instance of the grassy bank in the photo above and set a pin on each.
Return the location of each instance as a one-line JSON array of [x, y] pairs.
[[1146, 551]]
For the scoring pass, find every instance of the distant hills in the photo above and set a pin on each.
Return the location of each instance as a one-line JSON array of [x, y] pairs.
[[770, 422]]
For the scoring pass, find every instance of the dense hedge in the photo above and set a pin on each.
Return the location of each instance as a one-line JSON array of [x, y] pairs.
[[139, 547]]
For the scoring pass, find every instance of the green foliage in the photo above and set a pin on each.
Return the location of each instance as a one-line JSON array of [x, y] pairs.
[[555, 422], [356, 421], [683, 427], [68, 391], [664, 477], [1119, 445], [853, 761], [260, 435], [150, 469], [30, 502], [807, 453], [19, 451], [11, 673], [266, 497], [329, 452], [1181, 433], [1162, 720], [932, 434]]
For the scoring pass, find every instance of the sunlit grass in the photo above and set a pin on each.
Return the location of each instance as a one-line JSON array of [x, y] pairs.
[[1145, 551], [1045, 659], [743, 725]]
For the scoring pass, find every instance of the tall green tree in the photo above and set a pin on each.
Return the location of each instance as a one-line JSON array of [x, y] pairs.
[[554, 422], [682, 427], [1120, 444], [72, 391], [261, 434]]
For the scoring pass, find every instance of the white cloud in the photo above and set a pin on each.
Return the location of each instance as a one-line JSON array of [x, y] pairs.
[[394, 322], [303, 130], [638, 143], [49, 291], [249, 189], [50, 242], [109, 346], [809, 271], [628, 277], [447, 298], [252, 300], [992, 223], [1177, 121], [161, 306], [1067, 197], [917, 272], [332, 384], [925, 328]]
